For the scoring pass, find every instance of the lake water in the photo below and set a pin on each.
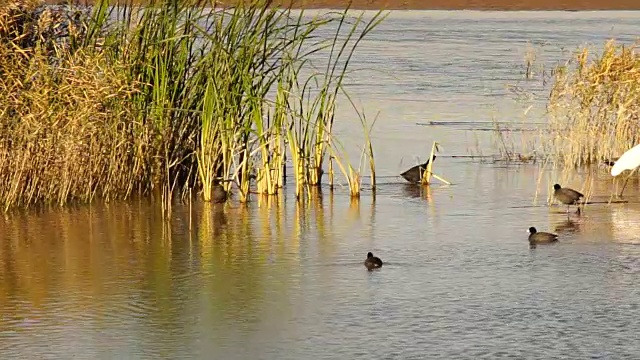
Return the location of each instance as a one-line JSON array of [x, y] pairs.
[[284, 280]]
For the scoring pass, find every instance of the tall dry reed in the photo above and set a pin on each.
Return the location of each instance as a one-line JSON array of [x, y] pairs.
[[594, 106], [170, 97]]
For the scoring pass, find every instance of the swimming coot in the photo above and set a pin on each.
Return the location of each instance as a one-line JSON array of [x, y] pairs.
[[414, 175], [536, 237], [372, 262]]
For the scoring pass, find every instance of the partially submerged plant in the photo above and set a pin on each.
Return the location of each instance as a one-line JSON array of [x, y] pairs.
[[170, 97], [428, 172]]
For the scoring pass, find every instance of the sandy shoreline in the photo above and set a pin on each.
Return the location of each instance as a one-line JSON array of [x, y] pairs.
[[502, 5]]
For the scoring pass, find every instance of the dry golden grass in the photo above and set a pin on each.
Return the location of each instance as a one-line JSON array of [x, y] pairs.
[[67, 123], [594, 106], [494, 5], [592, 117], [87, 113], [592, 110], [66, 133]]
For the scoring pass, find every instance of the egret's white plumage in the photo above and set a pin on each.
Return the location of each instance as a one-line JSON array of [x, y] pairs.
[[628, 161]]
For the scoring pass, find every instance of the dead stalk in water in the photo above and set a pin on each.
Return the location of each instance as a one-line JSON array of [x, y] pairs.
[[428, 172]]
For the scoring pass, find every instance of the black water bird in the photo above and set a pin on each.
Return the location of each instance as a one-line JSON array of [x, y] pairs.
[[372, 262], [541, 237], [219, 195], [567, 196], [414, 175]]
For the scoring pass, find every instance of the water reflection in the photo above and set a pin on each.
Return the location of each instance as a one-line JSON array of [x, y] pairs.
[[416, 191], [567, 226], [122, 262], [626, 223], [276, 272]]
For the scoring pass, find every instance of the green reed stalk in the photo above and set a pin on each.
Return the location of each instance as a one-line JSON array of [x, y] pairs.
[[171, 96], [319, 118], [209, 145]]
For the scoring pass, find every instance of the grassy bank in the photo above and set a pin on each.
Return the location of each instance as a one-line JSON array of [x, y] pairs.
[[167, 99]]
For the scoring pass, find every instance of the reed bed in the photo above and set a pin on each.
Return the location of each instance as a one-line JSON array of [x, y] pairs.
[[592, 113], [592, 110], [594, 106], [169, 98]]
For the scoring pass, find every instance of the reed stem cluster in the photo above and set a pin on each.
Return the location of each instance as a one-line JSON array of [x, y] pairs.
[[168, 98]]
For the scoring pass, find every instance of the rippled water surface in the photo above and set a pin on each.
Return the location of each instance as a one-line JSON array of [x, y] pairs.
[[283, 280]]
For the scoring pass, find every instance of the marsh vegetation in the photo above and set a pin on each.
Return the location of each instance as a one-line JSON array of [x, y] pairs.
[[279, 278], [179, 98], [173, 98], [591, 114], [594, 106]]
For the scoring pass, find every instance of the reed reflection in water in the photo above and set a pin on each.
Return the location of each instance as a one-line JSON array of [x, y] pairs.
[[108, 274]]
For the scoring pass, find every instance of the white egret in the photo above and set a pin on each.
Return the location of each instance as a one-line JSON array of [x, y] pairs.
[[630, 160]]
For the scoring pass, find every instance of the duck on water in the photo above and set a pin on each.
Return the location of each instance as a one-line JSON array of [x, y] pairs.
[[536, 238], [372, 262]]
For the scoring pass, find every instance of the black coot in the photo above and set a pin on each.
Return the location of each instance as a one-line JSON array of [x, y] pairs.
[[567, 196], [414, 175], [541, 237], [372, 262]]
